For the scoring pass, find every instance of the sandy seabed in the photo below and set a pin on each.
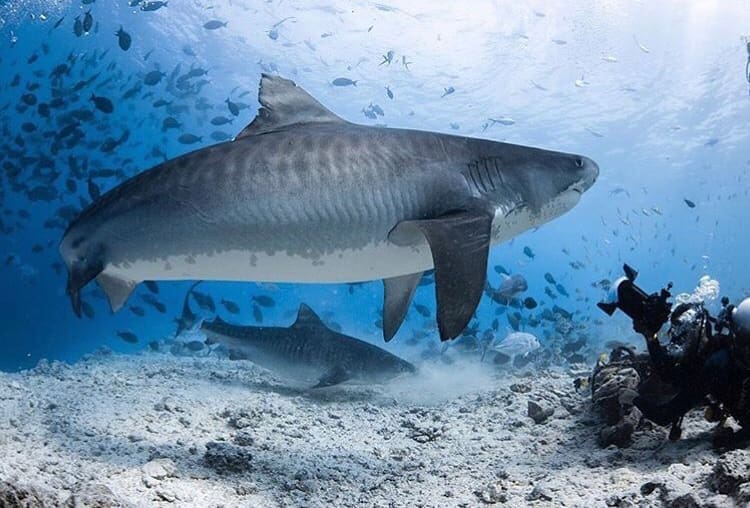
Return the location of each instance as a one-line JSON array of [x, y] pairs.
[[162, 430]]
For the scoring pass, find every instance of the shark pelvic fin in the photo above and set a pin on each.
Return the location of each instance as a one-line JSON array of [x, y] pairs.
[[336, 375], [117, 290], [283, 104], [234, 354], [459, 242], [307, 317], [397, 295]]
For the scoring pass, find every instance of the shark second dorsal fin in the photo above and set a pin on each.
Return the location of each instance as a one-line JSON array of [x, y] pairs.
[[283, 103], [306, 316]]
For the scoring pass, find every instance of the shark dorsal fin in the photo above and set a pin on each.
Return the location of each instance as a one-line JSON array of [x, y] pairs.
[[218, 321], [215, 324], [283, 103], [306, 316]]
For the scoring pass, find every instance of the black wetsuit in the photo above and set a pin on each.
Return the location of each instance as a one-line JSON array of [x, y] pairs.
[[695, 361]]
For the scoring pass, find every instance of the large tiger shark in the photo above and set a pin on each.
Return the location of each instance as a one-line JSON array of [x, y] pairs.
[[302, 195]]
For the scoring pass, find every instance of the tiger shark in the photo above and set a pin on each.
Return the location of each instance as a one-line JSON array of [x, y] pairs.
[[302, 195], [307, 350]]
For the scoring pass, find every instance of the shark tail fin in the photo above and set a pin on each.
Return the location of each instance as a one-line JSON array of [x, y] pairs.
[[188, 318]]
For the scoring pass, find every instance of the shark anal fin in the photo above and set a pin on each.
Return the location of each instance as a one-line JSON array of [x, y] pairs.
[[336, 375], [459, 242], [397, 295], [283, 104], [117, 290]]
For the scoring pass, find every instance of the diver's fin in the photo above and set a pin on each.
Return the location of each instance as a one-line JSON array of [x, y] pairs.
[[307, 317], [459, 242], [335, 376], [397, 295], [117, 290], [283, 103]]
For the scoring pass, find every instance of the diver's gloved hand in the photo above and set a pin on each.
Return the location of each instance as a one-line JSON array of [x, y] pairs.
[[640, 327], [645, 328]]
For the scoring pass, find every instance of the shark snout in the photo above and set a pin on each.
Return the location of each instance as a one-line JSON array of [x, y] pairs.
[[589, 173]]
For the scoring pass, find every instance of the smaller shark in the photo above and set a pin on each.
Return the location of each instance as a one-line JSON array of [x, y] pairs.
[[307, 350]]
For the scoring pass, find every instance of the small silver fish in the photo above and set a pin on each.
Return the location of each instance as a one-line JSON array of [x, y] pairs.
[[517, 344]]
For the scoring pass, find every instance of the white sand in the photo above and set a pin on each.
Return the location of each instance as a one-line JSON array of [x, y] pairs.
[[140, 425]]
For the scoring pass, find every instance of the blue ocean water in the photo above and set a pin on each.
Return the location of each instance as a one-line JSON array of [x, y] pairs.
[[656, 93]]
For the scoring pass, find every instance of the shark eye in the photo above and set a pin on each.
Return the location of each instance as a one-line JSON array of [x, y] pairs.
[[579, 162]]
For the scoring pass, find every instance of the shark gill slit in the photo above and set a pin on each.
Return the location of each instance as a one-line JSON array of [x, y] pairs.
[[489, 170], [479, 178], [487, 181], [469, 176]]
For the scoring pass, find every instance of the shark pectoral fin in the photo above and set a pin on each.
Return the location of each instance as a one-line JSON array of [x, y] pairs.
[[460, 243], [117, 290], [397, 295], [336, 375], [283, 104]]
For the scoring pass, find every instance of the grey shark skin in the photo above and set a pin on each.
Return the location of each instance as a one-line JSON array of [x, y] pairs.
[[307, 350], [301, 195]]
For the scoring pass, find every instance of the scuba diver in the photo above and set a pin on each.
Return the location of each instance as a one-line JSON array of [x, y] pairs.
[[735, 400], [695, 360], [705, 361]]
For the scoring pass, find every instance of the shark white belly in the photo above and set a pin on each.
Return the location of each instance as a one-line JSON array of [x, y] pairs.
[[373, 261], [370, 262]]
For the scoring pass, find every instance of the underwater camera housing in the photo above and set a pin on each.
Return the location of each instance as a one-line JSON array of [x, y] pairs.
[[648, 311]]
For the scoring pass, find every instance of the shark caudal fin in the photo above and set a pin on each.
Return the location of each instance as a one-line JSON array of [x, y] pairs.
[[460, 243], [283, 104], [188, 318]]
